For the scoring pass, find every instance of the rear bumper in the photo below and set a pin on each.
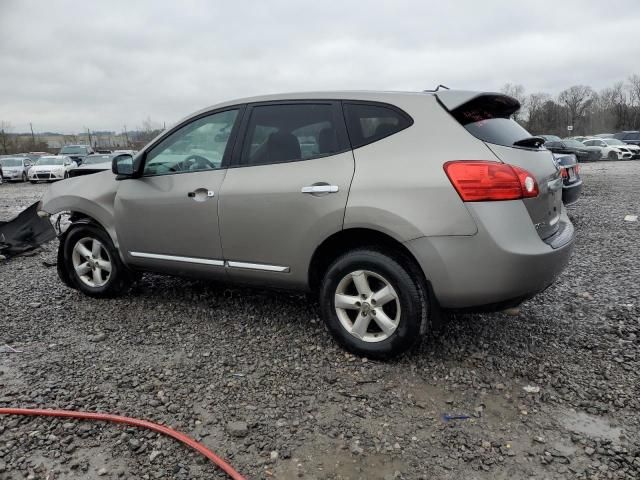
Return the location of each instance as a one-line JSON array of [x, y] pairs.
[[505, 262], [571, 192]]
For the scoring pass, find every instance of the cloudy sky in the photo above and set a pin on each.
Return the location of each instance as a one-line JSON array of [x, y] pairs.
[[69, 65]]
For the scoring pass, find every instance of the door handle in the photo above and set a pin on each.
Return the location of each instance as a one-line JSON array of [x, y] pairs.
[[201, 194], [320, 189]]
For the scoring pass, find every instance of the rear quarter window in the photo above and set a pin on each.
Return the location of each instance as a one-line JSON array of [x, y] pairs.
[[370, 122]]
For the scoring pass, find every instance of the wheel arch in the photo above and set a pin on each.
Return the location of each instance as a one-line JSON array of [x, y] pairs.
[[343, 241]]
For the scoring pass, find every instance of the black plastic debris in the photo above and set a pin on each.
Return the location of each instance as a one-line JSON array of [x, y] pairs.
[[25, 232]]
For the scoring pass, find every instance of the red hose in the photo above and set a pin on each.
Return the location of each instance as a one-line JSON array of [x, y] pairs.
[[104, 417]]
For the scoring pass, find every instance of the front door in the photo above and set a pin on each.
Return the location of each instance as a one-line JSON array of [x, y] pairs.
[[167, 220], [287, 191]]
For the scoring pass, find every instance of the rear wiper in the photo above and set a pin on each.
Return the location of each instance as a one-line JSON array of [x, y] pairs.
[[530, 142]]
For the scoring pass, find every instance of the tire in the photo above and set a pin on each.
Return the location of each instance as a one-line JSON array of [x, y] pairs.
[[66, 175], [387, 329], [99, 253], [24, 177], [33, 181], [612, 156]]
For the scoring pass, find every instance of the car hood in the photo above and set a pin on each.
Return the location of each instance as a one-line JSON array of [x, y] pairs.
[[39, 168]]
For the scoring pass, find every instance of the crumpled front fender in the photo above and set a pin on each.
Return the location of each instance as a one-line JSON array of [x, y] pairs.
[[90, 195]]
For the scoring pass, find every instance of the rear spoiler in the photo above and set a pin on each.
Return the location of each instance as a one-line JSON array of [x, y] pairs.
[[454, 99]]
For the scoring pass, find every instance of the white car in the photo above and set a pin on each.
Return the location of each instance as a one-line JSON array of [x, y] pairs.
[[610, 151], [634, 149], [50, 168]]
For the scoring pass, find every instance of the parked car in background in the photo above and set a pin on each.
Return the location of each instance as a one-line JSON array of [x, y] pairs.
[[93, 164], [634, 149], [571, 181], [579, 138], [582, 152], [550, 138], [33, 156], [50, 168], [15, 168], [603, 135], [77, 153], [380, 246], [629, 136], [608, 151]]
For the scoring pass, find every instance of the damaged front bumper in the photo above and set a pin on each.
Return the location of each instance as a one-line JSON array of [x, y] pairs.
[[30, 229]]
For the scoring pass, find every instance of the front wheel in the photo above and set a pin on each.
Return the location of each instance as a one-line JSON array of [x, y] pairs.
[[612, 156], [24, 177], [93, 264], [372, 304]]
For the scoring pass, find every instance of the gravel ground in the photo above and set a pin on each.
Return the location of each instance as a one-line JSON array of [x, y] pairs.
[[256, 377]]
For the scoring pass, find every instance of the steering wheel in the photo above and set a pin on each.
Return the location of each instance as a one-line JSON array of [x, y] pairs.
[[200, 161]]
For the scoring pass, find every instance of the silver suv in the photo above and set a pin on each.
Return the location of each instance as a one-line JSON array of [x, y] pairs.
[[388, 205]]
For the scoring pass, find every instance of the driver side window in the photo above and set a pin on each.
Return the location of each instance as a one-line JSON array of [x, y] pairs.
[[198, 146]]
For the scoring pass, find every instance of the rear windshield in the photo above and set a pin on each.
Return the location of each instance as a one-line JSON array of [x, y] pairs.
[[488, 118], [69, 150]]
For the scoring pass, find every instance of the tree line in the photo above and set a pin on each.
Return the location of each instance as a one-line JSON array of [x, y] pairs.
[[609, 110]]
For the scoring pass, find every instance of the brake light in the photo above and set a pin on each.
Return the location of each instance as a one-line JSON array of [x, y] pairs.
[[479, 181], [564, 173], [576, 168]]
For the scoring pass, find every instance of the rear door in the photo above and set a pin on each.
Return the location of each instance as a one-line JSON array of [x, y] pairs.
[[488, 118], [286, 192]]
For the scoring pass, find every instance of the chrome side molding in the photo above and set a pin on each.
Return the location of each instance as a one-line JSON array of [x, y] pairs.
[[213, 262]]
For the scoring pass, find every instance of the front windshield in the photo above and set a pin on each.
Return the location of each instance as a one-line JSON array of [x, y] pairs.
[[50, 161], [613, 141], [73, 150], [11, 162], [98, 159], [573, 143]]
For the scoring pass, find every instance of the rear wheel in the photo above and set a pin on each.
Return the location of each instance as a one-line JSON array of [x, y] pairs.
[[612, 156], [93, 264], [24, 177], [372, 304]]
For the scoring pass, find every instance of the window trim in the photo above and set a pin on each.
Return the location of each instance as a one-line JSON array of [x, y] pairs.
[[140, 159], [341, 130], [370, 103]]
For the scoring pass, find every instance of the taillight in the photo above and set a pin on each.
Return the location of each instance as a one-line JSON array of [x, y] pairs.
[[564, 173], [576, 168], [479, 181]]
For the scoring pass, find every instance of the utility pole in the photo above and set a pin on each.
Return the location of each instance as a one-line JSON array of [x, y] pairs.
[[126, 136], [89, 134], [33, 138]]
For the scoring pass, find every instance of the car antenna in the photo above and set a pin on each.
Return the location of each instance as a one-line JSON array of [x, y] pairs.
[[437, 88]]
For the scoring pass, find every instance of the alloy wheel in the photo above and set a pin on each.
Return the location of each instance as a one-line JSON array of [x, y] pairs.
[[91, 262], [367, 306]]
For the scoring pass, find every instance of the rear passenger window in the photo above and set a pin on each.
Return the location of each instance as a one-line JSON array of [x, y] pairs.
[[290, 132], [367, 123]]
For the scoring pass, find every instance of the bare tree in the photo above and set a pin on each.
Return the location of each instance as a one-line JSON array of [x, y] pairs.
[[5, 137], [577, 100], [516, 91]]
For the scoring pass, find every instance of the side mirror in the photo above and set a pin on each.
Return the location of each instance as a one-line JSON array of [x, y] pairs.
[[122, 166]]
